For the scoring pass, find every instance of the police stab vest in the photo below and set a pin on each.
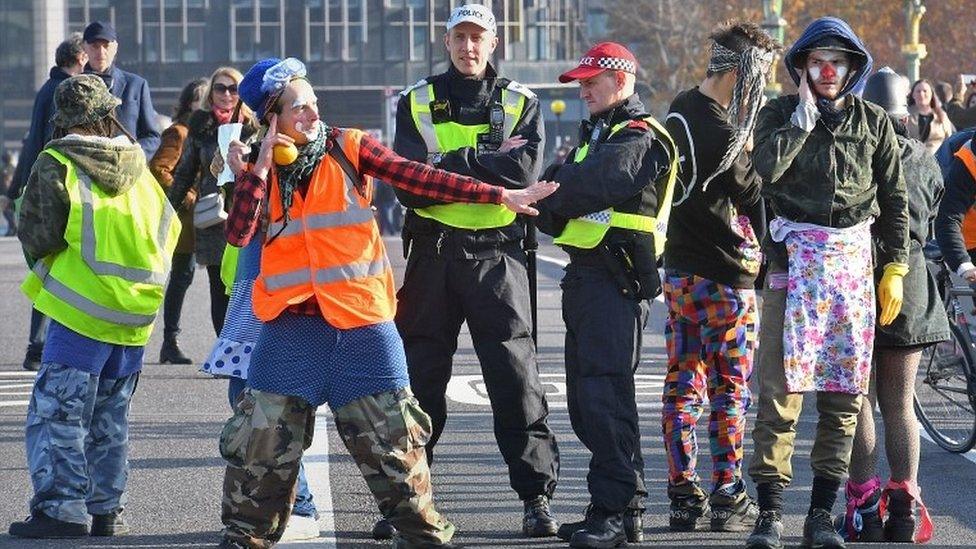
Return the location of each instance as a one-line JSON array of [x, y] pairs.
[[449, 136], [329, 249], [108, 283], [587, 232]]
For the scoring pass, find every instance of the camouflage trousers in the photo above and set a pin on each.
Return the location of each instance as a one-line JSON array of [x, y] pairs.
[[77, 438], [385, 433]]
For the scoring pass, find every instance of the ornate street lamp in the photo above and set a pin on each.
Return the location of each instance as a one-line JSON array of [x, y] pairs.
[[913, 50], [775, 26]]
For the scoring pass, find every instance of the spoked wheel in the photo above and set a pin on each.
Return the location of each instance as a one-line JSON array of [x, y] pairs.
[[944, 401]]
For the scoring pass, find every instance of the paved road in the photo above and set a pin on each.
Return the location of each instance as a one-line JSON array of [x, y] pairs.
[[174, 487]]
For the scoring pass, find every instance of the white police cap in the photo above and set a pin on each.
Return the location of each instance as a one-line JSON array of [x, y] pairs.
[[472, 13]]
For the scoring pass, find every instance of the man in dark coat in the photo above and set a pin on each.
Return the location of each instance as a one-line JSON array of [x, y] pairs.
[[136, 113]]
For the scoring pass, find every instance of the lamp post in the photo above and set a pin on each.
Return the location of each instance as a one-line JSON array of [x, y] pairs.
[[775, 26], [558, 107], [913, 50]]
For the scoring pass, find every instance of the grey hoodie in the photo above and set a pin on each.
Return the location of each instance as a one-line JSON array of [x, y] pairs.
[[114, 165]]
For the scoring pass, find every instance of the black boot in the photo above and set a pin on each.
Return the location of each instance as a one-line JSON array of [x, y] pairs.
[[603, 530], [383, 529], [537, 520], [732, 509], [109, 524], [768, 532], [41, 526], [170, 352], [819, 532], [32, 360], [900, 526], [633, 526], [688, 504]]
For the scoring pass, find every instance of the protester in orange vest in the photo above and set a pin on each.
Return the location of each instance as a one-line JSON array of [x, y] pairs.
[[325, 294]]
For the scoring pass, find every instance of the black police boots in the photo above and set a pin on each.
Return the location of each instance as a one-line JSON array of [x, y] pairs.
[[602, 530], [768, 532], [819, 532], [41, 526], [633, 526], [537, 521]]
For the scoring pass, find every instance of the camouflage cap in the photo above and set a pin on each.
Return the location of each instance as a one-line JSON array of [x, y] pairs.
[[82, 99]]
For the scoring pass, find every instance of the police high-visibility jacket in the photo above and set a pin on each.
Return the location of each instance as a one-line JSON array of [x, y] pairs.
[[587, 232], [108, 283], [449, 136], [966, 156], [329, 249]]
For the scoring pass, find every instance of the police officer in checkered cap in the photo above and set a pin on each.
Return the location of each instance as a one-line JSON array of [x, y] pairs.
[[609, 214], [467, 264]]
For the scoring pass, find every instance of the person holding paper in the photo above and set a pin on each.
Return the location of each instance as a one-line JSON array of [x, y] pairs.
[[193, 171]]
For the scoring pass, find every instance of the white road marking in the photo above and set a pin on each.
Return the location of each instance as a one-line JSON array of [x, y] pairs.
[[14, 403], [470, 389], [16, 385], [316, 462], [18, 374]]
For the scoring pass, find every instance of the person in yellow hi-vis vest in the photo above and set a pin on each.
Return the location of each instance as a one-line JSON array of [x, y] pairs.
[[610, 215], [468, 262], [101, 234]]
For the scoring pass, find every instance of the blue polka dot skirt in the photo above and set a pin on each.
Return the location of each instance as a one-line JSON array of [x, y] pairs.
[[305, 356], [231, 354]]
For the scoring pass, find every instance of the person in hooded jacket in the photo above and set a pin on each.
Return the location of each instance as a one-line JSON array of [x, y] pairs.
[[102, 233], [897, 351], [830, 165]]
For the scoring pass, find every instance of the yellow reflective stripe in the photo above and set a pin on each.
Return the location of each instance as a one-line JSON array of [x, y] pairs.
[[341, 273], [512, 103], [85, 305], [89, 243], [420, 99]]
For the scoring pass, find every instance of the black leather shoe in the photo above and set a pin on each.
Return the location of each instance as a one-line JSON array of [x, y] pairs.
[[41, 526], [227, 543], [768, 532], [633, 526], [819, 533], [171, 353], [32, 360], [900, 526], [537, 521], [383, 529], [602, 531], [109, 524]]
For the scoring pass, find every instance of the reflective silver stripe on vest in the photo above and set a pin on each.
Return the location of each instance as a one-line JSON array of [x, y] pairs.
[[510, 101], [426, 122], [342, 273], [87, 306], [287, 280], [351, 271], [89, 242]]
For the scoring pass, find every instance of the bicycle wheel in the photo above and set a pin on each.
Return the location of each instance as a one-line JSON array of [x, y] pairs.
[[944, 400]]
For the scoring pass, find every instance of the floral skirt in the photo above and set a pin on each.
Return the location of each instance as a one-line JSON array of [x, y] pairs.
[[828, 333]]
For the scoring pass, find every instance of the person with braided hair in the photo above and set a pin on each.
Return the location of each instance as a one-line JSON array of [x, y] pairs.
[[711, 263]]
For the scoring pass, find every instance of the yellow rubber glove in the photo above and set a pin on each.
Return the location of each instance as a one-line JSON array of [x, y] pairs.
[[891, 292]]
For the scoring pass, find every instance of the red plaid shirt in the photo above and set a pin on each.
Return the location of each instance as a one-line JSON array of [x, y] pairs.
[[375, 160]]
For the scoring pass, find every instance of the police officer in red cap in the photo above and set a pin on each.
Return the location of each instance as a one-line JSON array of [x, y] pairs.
[[610, 215]]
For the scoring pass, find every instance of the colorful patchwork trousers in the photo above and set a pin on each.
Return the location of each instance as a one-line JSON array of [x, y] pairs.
[[711, 335]]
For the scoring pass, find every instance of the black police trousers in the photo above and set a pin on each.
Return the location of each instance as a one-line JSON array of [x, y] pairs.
[[442, 289], [603, 346]]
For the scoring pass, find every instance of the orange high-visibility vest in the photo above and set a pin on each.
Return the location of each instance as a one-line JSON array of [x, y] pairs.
[[966, 156], [329, 249]]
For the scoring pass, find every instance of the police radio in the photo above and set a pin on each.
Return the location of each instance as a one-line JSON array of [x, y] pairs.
[[491, 141], [596, 135]]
